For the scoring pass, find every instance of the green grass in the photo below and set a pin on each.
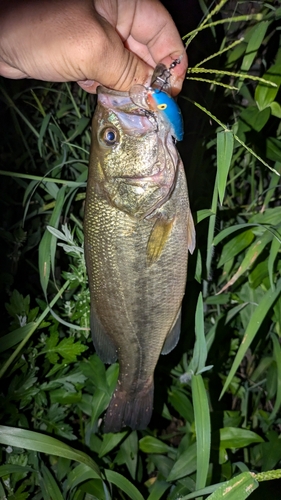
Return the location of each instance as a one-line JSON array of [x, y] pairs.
[[215, 430]]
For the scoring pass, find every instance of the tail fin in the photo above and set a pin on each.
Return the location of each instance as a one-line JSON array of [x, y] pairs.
[[132, 409]]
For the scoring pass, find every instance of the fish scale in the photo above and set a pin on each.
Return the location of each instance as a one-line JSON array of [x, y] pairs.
[[138, 229]]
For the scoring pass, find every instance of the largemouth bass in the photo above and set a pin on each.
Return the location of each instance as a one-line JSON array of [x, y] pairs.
[[138, 229]]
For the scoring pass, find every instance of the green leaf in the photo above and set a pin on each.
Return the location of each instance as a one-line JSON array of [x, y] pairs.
[[94, 369], [271, 452], [229, 230], [16, 336], [181, 403], [200, 348], [277, 356], [240, 487], [185, 465], [43, 128], [65, 398], [100, 402], [124, 485], [7, 469], [258, 274], [67, 348], [110, 441], [150, 444], [274, 250], [78, 475], [232, 437], [48, 243], [202, 491], [162, 464], [128, 453], [48, 484], [256, 320], [252, 118], [265, 94], [203, 214], [275, 109], [224, 155], [251, 256], [21, 438], [255, 36], [202, 429], [273, 149], [158, 489], [235, 246]]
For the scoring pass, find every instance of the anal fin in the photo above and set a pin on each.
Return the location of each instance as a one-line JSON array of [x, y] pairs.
[[104, 346], [173, 335]]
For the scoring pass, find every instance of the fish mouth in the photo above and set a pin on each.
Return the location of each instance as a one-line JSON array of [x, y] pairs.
[[157, 178]]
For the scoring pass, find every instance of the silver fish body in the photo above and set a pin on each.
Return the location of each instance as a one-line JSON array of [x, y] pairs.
[[138, 229]]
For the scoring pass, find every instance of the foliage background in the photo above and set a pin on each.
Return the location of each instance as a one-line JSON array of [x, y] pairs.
[[53, 384]]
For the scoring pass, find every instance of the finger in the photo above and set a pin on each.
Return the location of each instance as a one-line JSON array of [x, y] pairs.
[[9, 72], [153, 27], [178, 73], [89, 86], [117, 67]]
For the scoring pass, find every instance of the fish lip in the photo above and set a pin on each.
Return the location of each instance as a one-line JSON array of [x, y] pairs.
[[159, 174], [104, 90]]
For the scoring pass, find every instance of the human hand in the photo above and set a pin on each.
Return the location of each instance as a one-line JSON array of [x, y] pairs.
[[116, 43]]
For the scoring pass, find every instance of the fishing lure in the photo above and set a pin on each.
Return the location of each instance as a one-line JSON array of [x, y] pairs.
[[160, 101], [156, 99]]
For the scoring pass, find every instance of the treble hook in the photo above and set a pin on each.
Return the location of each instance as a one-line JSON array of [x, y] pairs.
[[162, 74]]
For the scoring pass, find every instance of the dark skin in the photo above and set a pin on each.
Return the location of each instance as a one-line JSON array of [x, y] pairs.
[[116, 43]]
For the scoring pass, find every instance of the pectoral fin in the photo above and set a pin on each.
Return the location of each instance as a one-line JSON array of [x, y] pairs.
[[104, 346], [158, 239], [173, 336], [191, 235]]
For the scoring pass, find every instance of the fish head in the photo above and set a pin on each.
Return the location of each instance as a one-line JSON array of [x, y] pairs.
[[133, 158]]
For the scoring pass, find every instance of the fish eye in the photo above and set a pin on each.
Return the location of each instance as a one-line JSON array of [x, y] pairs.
[[109, 136], [162, 106]]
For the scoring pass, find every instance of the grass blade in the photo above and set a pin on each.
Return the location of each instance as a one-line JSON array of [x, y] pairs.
[[5, 470], [255, 36], [46, 252], [124, 485], [14, 337], [157, 490], [224, 155], [110, 441], [277, 356], [274, 250], [239, 487], [202, 428], [80, 474], [30, 440], [48, 484], [200, 348], [257, 318], [251, 256], [185, 465]]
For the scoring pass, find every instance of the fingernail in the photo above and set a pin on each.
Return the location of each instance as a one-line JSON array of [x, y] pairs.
[[86, 83]]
